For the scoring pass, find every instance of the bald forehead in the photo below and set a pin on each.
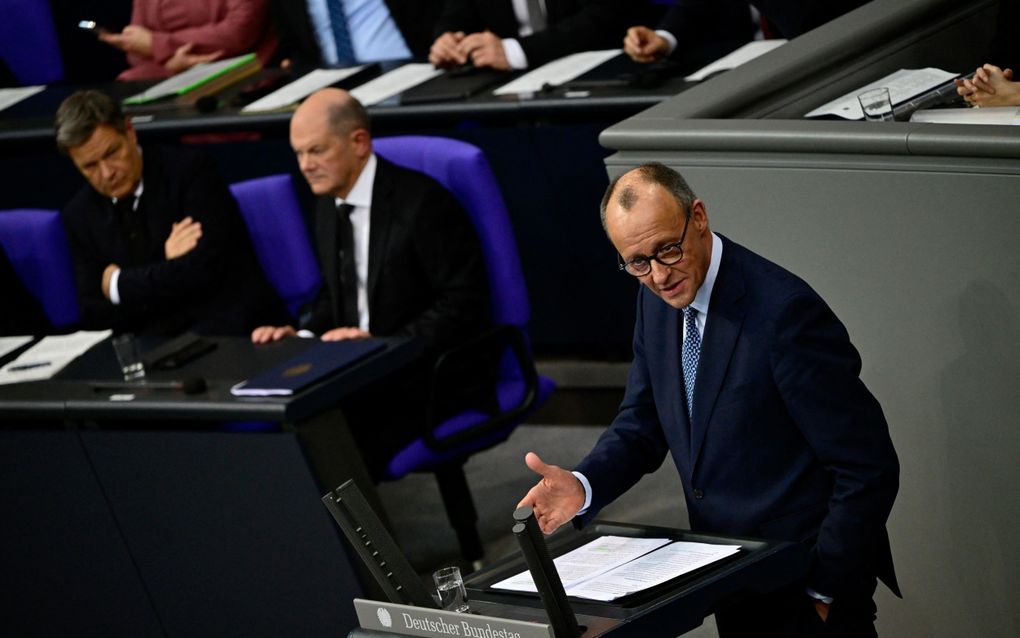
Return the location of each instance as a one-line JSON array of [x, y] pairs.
[[633, 188]]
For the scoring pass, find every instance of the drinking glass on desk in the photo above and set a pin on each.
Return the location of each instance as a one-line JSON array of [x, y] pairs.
[[450, 586], [877, 105], [129, 357]]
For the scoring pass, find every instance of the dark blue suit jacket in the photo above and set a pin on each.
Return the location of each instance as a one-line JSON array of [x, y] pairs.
[[786, 442]]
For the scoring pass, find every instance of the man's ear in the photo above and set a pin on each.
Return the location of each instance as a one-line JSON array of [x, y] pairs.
[[699, 215], [361, 140]]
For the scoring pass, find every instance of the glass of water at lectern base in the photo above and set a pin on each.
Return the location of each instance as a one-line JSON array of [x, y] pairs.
[[450, 587], [129, 357]]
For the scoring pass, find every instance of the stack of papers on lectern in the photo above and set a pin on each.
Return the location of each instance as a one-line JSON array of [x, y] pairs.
[[50, 356], [611, 567]]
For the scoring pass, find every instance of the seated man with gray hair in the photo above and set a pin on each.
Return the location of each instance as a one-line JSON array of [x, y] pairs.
[[157, 241]]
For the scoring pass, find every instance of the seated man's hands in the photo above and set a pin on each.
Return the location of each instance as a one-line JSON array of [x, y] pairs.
[[484, 49], [184, 236], [990, 86], [445, 52], [265, 334], [342, 334], [133, 39], [645, 45], [183, 59], [555, 499]]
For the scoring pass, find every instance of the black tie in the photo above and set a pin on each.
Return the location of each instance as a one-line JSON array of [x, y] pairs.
[[348, 271], [133, 227]]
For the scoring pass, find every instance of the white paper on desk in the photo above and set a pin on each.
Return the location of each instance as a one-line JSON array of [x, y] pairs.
[[10, 344], [54, 353], [300, 88], [557, 72], [903, 85], [1009, 115], [10, 97], [396, 81], [588, 561], [733, 59], [654, 568]]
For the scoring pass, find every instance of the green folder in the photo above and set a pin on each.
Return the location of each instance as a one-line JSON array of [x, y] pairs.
[[191, 79]]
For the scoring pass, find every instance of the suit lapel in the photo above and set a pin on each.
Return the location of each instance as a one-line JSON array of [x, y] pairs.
[[380, 220], [725, 321]]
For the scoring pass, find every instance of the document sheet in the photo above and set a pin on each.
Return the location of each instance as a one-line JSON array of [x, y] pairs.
[[49, 356], [732, 60], [10, 344], [558, 72], [10, 97], [903, 85], [300, 88], [611, 567], [396, 81]]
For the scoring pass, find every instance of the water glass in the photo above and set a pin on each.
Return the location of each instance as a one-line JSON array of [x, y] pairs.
[[450, 586], [877, 105], [129, 357]]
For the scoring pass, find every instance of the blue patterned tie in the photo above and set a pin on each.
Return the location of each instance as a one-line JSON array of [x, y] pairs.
[[337, 20], [689, 356]]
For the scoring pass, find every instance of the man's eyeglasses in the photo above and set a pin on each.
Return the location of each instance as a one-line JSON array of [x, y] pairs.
[[666, 255]]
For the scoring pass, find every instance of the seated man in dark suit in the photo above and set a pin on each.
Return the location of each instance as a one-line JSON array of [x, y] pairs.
[[699, 31], [505, 35], [157, 241], [748, 379], [399, 257]]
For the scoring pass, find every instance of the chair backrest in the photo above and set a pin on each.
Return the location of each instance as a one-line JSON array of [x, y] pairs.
[[272, 213], [36, 245], [464, 171], [28, 41]]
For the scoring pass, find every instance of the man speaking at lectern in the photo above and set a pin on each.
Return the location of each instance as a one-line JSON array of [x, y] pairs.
[[749, 380]]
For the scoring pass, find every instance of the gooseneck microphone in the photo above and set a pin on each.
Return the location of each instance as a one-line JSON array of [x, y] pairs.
[[194, 385]]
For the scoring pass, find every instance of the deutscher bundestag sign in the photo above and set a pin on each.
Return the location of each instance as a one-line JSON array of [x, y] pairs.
[[420, 621]]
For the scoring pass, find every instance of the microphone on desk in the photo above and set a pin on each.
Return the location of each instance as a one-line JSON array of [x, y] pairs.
[[194, 385]]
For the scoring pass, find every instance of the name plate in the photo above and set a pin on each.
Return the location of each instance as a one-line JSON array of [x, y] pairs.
[[407, 620]]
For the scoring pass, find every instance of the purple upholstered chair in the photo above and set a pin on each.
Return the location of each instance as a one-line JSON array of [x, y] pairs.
[[464, 171], [36, 245], [28, 42], [272, 213]]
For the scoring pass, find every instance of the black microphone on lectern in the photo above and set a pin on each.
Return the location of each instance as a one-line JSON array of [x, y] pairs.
[[194, 385]]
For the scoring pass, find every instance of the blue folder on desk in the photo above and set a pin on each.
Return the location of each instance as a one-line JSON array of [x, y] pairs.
[[318, 362]]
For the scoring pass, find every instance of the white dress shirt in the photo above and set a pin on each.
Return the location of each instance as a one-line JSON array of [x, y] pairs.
[[361, 198], [374, 34], [511, 47], [115, 277]]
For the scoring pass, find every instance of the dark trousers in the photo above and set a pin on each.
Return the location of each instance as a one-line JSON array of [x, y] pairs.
[[790, 613]]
